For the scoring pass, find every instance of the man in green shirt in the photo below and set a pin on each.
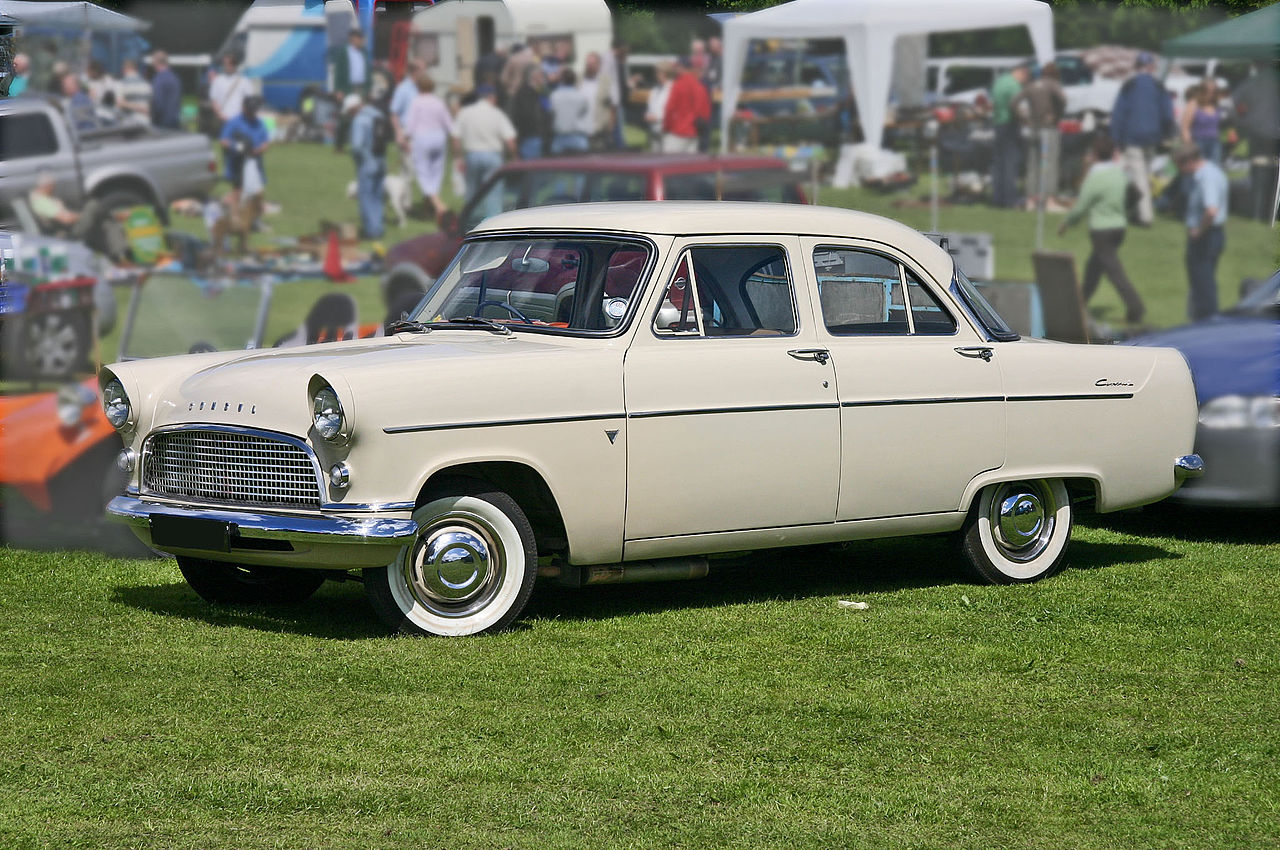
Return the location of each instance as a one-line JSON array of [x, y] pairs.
[[53, 215], [1006, 160], [1102, 199]]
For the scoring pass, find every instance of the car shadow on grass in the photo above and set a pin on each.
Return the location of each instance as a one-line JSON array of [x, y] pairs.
[[1245, 526], [338, 611]]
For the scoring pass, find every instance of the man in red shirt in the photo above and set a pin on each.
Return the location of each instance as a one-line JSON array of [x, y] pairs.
[[688, 107]]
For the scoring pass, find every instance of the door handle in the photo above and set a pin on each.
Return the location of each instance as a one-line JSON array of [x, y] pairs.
[[982, 351], [819, 355]]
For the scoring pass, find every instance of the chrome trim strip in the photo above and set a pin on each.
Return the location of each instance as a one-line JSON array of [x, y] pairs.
[[367, 507], [321, 478], [407, 429], [1080, 397], [767, 408], [902, 401], [376, 531], [1188, 466]]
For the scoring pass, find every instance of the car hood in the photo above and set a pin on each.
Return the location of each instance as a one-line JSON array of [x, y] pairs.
[[405, 380], [1228, 355]]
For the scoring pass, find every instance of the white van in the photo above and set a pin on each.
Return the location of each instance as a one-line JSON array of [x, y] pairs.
[[285, 44], [451, 35]]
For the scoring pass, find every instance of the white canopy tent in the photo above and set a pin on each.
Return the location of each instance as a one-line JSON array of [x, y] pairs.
[[870, 29], [71, 15]]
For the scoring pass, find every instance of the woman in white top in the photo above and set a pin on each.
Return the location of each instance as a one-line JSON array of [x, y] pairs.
[[656, 108], [428, 125]]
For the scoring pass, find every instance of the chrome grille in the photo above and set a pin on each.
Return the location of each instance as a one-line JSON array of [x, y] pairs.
[[228, 467]]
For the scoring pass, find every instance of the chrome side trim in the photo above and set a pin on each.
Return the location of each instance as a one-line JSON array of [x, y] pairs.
[[376, 531], [1188, 466], [492, 423], [705, 411], [941, 400], [367, 507], [1079, 397]]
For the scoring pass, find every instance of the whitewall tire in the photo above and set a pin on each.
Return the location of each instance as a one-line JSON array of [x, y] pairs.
[[1018, 531], [469, 570]]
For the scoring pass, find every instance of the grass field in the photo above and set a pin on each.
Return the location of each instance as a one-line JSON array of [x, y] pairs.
[[1128, 702]]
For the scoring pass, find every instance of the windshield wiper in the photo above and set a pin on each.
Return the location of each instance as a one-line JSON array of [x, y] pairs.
[[408, 325], [479, 323]]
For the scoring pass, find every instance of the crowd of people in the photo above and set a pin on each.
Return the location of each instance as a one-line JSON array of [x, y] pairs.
[[524, 104], [95, 97], [1117, 187]]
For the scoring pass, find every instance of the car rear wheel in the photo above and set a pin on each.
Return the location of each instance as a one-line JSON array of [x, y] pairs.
[[1018, 531], [469, 570], [57, 343], [235, 584]]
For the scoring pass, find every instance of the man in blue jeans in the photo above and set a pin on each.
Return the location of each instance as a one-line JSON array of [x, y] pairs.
[[1206, 215], [371, 135]]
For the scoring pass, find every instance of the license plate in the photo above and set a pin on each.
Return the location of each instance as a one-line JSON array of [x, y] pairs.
[[182, 532]]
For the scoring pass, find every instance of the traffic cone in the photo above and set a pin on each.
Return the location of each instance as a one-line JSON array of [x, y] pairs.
[[333, 260]]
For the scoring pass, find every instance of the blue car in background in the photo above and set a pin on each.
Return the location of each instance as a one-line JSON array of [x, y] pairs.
[[1235, 362]]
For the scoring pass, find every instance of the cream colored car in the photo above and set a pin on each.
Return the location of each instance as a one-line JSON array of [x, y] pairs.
[[610, 392]]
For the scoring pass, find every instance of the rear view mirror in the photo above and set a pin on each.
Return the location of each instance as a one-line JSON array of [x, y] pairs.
[[536, 265]]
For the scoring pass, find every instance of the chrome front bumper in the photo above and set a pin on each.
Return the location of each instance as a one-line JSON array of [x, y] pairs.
[[286, 540]]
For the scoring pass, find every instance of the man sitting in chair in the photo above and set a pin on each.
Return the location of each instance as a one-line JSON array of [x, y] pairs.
[[55, 218]]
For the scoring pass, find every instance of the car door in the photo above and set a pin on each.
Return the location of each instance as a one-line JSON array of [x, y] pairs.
[[922, 407], [732, 416]]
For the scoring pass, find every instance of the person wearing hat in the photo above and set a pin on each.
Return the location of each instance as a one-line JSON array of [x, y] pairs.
[[482, 133], [244, 139], [1205, 218], [1141, 118], [166, 93]]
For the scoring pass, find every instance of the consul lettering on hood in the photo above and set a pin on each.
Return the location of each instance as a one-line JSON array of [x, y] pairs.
[[611, 393]]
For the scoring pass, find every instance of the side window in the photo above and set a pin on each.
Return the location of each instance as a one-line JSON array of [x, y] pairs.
[[23, 136], [503, 195], [617, 187], [862, 293], [555, 187], [927, 314], [729, 290]]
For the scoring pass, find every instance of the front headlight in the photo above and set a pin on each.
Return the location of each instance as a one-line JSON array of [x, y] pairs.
[[327, 413], [1237, 411], [115, 404]]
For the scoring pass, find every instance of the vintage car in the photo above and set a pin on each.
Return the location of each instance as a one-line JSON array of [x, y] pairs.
[[612, 392]]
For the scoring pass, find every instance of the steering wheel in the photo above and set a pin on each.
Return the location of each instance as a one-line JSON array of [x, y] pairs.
[[505, 306]]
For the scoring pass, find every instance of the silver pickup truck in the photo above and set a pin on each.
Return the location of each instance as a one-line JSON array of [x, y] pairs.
[[122, 163]]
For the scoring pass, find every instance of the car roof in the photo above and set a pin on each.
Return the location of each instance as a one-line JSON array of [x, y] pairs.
[[646, 162], [695, 218]]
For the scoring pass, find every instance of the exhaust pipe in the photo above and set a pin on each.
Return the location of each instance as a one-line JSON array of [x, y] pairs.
[[667, 569]]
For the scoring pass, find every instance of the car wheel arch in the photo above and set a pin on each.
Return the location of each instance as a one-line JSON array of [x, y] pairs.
[[525, 484], [1082, 485]]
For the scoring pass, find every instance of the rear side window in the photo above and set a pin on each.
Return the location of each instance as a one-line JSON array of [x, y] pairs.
[[23, 136], [865, 293]]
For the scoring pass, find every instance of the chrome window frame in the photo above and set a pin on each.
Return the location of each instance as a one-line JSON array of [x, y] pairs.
[[903, 268]]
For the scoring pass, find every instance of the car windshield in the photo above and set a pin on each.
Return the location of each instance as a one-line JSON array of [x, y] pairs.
[[582, 284], [1263, 299], [995, 326]]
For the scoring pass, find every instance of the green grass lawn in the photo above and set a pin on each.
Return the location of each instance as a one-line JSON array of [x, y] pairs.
[[1128, 702]]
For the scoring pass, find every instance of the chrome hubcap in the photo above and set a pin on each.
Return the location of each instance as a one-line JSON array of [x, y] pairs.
[[1022, 519], [455, 566]]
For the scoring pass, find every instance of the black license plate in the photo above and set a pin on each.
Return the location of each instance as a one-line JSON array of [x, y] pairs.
[[182, 532]]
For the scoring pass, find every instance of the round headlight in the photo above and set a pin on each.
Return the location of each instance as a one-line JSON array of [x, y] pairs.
[[327, 412], [115, 404]]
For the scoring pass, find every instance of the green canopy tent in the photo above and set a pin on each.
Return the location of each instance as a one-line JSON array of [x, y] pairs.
[[1252, 36]]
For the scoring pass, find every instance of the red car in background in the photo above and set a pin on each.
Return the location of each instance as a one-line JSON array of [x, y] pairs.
[[412, 265]]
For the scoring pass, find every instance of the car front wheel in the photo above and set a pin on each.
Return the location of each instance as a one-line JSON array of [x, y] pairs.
[[470, 569], [233, 584], [1018, 531]]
